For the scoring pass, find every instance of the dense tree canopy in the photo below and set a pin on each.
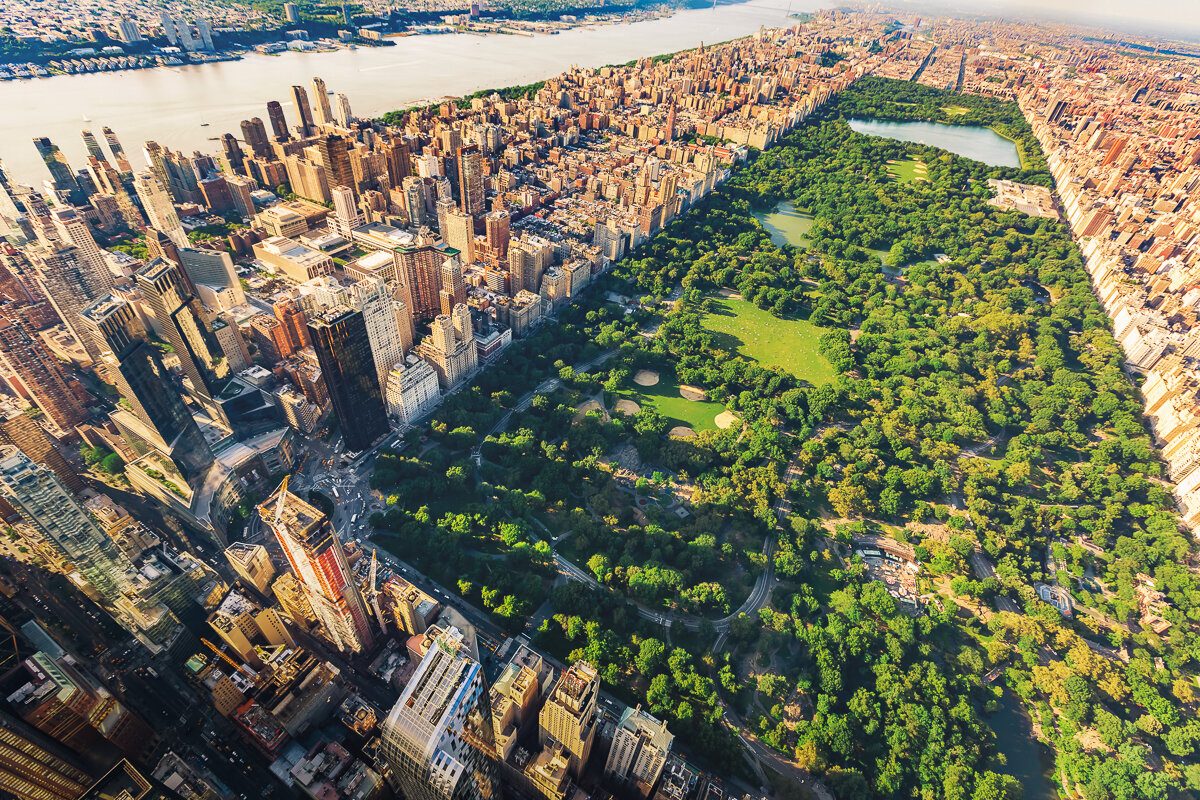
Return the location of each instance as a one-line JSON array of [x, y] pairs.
[[980, 412]]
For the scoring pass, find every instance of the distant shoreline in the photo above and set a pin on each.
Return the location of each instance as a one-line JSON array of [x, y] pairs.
[[112, 62]]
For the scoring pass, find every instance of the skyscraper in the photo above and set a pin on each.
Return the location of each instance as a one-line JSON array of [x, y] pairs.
[[335, 158], [437, 739], [22, 432], [8, 206], [306, 127], [212, 268], [470, 180], [345, 213], [342, 114], [46, 506], [639, 751], [324, 115], [254, 134], [240, 189], [111, 183], [128, 31], [118, 152], [569, 716], [144, 383], [66, 280], [205, 30], [32, 768], [458, 230], [61, 699], [318, 560], [294, 601], [497, 231], [252, 563], [399, 161], [389, 344], [419, 270], [159, 208], [93, 146], [450, 347], [168, 26], [454, 288], [339, 337], [233, 153], [26, 358], [72, 230], [168, 294], [61, 174], [184, 30], [278, 121]]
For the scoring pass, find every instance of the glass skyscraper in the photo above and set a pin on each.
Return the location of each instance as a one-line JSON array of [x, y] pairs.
[[339, 337]]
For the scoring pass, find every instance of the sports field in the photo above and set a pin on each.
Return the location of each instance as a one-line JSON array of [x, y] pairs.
[[908, 170], [787, 343], [665, 398]]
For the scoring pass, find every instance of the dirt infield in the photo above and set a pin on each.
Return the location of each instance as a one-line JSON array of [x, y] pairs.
[[682, 432], [582, 409], [694, 393], [626, 407], [646, 377], [726, 419]]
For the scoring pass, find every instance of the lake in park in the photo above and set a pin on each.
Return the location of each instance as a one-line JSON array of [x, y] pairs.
[[786, 224], [972, 141], [1029, 761]]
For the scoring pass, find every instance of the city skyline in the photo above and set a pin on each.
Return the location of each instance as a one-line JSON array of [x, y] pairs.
[[809, 414], [1169, 18]]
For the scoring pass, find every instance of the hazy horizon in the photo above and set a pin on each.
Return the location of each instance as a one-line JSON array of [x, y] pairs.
[[1170, 19]]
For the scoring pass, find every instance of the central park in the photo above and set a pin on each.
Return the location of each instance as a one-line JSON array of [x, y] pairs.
[[736, 413]]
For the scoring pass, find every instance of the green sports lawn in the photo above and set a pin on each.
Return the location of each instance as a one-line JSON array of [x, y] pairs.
[[908, 170], [664, 397], [787, 343]]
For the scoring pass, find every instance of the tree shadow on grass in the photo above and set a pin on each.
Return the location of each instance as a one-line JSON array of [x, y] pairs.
[[727, 341]]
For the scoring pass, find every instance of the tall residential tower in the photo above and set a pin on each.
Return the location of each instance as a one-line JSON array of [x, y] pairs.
[[437, 739], [318, 558]]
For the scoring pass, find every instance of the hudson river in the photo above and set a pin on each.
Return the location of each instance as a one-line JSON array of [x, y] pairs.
[[168, 105]]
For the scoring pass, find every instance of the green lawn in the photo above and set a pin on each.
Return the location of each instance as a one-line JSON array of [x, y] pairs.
[[664, 397], [955, 111], [908, 170], [787, 343], [880, 254]]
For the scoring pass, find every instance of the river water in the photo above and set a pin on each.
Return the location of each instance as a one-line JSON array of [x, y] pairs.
[[972, 141], [168, 105]]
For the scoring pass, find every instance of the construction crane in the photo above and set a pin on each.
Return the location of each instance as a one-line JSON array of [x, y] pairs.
[[373, 590], [282, 492], [249, 673]]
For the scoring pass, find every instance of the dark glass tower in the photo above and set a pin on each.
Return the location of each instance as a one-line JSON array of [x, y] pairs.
[[169, 296], [278, 121], [233, 153], [60, 171], [339, 337], [135, 366], [304, 109]]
